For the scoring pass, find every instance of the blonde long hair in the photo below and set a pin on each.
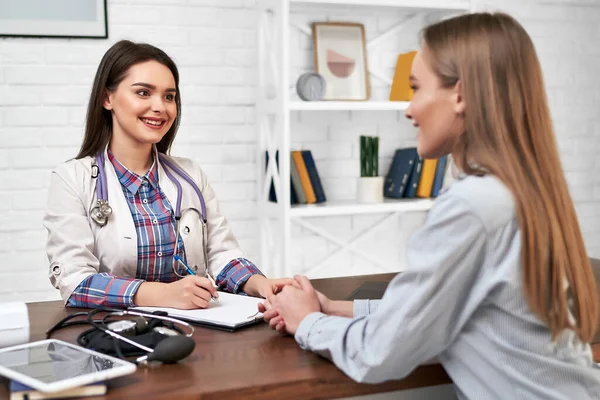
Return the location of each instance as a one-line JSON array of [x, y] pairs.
[[509, 133]]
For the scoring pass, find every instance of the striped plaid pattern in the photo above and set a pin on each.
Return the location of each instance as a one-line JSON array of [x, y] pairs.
[[104, 290], [235, 274], [154, 222]]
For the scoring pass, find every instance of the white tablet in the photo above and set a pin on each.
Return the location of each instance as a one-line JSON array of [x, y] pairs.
[[53, 365]]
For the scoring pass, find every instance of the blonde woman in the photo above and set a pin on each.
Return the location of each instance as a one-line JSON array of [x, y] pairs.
[[498, 286]]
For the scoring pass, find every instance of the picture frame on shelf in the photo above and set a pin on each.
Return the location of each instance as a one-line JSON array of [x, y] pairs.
[[54, 19], [340, 54]]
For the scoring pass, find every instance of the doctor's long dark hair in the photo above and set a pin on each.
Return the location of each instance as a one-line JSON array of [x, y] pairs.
[[112, 70]]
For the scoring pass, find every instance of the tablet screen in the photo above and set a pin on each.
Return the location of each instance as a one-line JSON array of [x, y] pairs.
[[51, 361]]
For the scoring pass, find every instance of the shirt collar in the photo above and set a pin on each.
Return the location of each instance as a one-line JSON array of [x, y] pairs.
[[129, 179]]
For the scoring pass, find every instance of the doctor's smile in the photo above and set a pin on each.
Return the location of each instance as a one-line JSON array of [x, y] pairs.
[[152, 123]]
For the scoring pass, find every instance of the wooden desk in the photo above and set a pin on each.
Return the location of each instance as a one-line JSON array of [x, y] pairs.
[[253, 363]]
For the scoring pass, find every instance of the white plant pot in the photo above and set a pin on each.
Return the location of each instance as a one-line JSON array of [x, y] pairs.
[[370, 189]]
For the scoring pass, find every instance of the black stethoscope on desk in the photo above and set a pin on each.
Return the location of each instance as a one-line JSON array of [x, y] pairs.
[[102, 211], [173, 346]]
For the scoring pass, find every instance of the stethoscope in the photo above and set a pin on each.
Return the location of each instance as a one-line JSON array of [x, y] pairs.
[[102, 211], [174, 347]]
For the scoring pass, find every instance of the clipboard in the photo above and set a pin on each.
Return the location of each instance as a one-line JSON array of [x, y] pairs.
[[232, 312]]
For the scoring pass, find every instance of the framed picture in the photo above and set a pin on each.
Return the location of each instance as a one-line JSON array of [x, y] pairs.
[[341, 58], [56, 18]]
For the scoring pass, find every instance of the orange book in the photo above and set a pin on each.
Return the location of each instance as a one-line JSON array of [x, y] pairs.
[[427, 176], [401, 90], [304, 178]]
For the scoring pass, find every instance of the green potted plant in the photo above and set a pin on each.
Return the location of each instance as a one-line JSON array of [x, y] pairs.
[[370, 185]]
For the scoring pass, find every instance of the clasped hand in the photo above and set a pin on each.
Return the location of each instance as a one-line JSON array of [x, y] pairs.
[[285, 310]]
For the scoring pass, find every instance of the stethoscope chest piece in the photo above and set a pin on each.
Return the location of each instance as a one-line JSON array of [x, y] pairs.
[[101, 212]]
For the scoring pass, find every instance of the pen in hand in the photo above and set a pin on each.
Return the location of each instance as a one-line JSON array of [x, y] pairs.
[[191, 272]]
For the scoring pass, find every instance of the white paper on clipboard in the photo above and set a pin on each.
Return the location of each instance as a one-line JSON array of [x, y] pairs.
[[231, 312]]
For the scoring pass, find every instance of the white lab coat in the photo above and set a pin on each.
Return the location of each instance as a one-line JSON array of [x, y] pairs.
[[77, 247]]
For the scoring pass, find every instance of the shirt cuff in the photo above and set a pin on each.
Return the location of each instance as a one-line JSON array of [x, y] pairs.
[[235, 274], [303, 332], [104, 290], [361, 308]]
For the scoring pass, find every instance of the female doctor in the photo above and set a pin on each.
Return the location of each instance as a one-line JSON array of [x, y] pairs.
[[120, 214]]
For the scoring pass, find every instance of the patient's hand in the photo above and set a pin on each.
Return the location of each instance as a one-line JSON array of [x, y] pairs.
[[275, 321], [292, 305], [270, 315]]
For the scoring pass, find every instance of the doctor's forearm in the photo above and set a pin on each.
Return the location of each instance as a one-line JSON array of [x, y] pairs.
[[252, 285], [150, 294]]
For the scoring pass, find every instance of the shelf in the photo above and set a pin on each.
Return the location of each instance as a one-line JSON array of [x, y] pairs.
[[348, 105], [278, 108], [417, 4], [331, 208]]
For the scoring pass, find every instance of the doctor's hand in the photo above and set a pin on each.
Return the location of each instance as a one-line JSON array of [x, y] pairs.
[[259, 286], [187, 293], [292, 305], [190, 292]]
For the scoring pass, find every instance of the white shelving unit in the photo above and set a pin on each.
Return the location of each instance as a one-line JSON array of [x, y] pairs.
[[341, 207], [274, 108], [348, 105], [445, 5]]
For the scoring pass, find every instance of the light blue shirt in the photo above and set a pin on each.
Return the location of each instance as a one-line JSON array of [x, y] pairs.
[[460, 300]]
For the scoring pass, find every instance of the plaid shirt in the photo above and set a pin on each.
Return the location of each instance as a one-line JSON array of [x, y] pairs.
[[154, 222]]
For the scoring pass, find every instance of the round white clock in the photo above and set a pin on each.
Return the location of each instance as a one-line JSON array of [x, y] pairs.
[[311, 86]]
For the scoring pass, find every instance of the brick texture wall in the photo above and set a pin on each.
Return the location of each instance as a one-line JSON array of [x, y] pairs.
[[45, 83]]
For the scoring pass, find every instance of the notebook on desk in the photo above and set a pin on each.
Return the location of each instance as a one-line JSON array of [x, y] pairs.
[[232, 312]]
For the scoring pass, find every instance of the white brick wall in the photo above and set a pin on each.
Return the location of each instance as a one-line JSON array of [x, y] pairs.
[[44, 84]]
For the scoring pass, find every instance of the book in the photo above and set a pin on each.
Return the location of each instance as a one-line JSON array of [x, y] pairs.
[[400, 90], [413, 180], [440, 171], [233, 311], [313, 174], [396, 180], [296, 183], [293, 198], [272, 194], [19, 391], [304, 178], [426, 180]]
